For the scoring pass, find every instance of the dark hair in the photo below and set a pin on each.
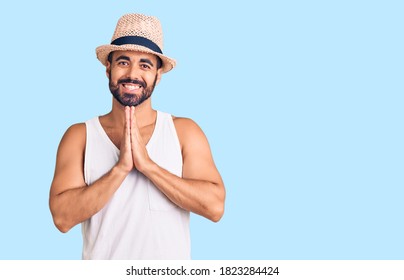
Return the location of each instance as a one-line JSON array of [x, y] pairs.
[[110, 57], [159, 61]]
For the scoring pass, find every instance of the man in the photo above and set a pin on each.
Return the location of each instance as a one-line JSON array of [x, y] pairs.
[[131, 177]]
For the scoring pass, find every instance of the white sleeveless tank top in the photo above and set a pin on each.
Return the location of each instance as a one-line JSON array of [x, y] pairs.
[[139, 221]]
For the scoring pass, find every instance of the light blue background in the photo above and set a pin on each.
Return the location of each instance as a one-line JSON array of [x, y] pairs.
[[302, 102]]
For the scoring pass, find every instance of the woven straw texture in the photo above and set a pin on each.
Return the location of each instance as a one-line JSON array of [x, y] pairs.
[[137, 25]]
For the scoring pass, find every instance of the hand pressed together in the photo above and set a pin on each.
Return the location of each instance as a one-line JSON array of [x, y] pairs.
[[133, 149]]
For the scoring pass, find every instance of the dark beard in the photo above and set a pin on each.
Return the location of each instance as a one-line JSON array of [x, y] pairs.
[[127, 99]]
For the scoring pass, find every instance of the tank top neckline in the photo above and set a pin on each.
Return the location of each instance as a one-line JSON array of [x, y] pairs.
[[107, 139]]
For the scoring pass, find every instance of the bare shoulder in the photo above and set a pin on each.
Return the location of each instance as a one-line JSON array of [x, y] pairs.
[[75, 134], [191, 136], [188, 130], [185, 124], [77, 129], [73, 142]]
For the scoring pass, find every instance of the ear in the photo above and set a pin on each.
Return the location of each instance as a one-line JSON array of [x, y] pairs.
[[159, 74], [108, 69]]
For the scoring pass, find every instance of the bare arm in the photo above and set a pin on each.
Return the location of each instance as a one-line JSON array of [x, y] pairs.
[[71, 201], [201, 189]]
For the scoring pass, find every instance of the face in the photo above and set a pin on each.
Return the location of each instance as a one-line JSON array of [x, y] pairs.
[[132, 76]]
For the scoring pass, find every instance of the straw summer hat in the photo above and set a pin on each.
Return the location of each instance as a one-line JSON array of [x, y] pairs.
[[136, 32]]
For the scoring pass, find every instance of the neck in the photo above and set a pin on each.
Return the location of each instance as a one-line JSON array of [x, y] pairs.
[[145, 114]]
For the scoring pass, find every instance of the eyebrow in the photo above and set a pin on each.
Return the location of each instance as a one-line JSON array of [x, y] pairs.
[[124, 57]]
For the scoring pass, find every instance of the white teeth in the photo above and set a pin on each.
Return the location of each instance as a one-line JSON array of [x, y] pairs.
[[132, 87]]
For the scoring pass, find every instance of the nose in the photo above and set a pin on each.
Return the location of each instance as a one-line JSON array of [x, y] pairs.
[[134, 72]]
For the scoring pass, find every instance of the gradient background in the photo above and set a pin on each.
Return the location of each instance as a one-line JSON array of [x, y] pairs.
[[301, 102]]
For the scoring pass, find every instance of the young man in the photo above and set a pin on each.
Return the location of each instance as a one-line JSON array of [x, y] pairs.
[[131, 177]]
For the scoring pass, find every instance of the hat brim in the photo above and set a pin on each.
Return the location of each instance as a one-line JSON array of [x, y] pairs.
[[104, 50]]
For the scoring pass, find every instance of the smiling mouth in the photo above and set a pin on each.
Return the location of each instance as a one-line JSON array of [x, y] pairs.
[[132, 86]]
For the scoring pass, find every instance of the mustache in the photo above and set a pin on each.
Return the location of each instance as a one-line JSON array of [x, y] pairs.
[[130, 81]]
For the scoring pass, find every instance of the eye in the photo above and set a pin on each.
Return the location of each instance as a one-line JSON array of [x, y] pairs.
[[145, 66], [123, 63]]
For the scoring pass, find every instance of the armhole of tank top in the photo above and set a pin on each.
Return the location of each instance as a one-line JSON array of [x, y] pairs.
[[86, 152], [177, 139]]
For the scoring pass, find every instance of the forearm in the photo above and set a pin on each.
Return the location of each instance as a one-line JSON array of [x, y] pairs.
[[202, 197], [76, 205]]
